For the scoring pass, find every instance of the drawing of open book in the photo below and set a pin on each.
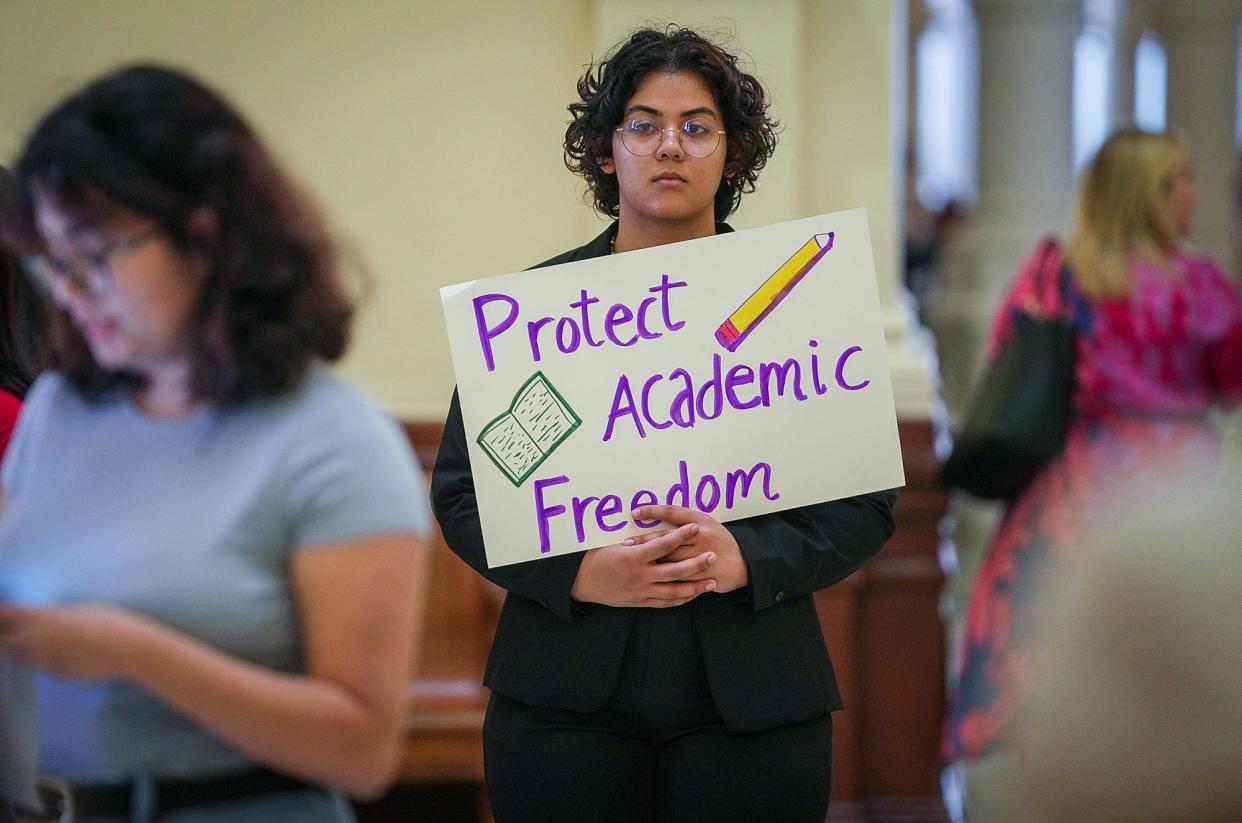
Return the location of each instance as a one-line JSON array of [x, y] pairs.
[[538, 420]]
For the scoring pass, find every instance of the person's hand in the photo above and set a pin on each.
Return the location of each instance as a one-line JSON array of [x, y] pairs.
[[729, 571], [638, 572], [80, 642]]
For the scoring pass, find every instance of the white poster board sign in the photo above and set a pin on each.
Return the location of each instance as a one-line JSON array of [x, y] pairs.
[[737, 374]]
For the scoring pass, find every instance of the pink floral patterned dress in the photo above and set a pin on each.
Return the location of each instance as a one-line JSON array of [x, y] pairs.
[[1149, 369]]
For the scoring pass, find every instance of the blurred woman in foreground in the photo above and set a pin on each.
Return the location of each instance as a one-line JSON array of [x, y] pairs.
[[212, 546]]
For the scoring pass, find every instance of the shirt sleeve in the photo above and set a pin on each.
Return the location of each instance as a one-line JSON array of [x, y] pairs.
[[1036, 289], [352, 474], [26, 431], [798, 551], [1222, 305], [10, 407]]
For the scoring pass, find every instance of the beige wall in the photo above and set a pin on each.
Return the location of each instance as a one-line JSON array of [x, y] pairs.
[[430, 131]]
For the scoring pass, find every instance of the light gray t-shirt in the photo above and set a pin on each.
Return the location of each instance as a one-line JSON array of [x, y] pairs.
[[192, 521]]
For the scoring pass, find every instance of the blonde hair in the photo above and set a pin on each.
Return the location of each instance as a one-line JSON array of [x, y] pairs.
[[1123, 210]]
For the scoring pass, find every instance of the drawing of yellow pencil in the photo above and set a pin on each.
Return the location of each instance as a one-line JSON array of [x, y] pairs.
[[773, 290]]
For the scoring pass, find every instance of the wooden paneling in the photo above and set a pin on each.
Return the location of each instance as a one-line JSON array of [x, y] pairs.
[[884, 629]]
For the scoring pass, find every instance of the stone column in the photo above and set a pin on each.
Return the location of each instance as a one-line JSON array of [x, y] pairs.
[[1201, 40], [1025, 176], [1133, 18], [1117, 19]]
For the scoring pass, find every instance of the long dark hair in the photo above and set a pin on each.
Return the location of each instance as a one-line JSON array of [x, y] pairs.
[[159, 143], [23, 314], [606, 86]]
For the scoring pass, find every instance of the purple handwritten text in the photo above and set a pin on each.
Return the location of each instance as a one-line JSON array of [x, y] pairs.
[[707, 494]]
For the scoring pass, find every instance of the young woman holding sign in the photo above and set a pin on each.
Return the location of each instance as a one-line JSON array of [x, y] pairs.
[[681, 675]]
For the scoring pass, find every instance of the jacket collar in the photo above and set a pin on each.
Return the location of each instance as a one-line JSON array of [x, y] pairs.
[[601, 246]]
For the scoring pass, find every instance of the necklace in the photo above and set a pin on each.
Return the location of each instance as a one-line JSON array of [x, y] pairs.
[[612, 244]]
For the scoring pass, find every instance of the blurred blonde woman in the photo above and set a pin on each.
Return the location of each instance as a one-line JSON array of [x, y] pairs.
[[1159, 342]]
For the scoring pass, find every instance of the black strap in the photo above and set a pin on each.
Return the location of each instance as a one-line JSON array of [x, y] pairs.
[[171, 794]]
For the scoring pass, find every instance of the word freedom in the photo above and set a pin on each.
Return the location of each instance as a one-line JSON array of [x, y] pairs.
[[707, 494]]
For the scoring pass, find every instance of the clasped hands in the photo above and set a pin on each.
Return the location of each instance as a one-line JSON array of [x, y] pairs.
[[659, 569]]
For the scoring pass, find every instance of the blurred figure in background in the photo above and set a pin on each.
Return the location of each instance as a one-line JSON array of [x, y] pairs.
[[212, 548], [21, 325], [1159, 341], [927, 231], [1138, 716]]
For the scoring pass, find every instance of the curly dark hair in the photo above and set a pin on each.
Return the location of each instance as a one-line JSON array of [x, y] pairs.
[[155, 141], [23, 312], [609, 83]]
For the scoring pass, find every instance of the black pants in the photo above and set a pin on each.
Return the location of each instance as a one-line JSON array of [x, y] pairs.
[[658, 751]]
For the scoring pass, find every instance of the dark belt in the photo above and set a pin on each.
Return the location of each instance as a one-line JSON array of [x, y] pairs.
[[173, 793]]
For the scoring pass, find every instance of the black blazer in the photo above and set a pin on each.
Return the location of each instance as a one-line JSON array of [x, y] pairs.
[[765, 657]]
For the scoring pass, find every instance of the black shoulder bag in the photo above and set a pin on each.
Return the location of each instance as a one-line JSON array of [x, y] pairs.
[[1021, 411]]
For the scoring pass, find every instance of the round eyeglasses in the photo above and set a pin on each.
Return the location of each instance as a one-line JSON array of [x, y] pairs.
[[642, 137], [87, 272]]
